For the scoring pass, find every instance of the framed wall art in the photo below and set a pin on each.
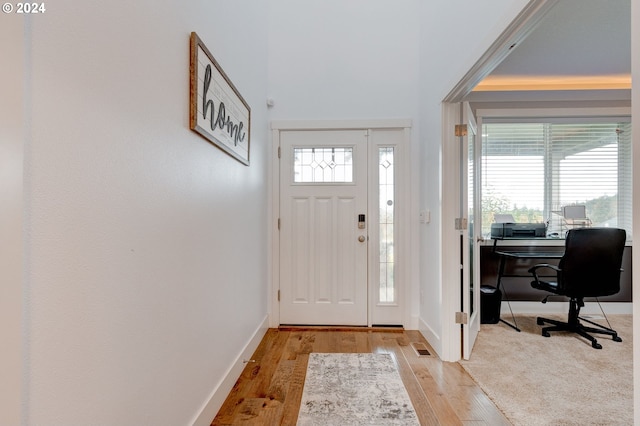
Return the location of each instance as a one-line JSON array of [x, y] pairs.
[[217, 111]]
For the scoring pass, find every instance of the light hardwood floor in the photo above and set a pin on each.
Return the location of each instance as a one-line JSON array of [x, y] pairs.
[[269, 390]]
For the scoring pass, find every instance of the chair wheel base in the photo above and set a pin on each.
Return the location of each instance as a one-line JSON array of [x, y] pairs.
[[573, 325]]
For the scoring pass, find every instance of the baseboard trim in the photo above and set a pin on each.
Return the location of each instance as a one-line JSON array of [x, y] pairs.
[[221, 391], [431, 337], [590, 308]]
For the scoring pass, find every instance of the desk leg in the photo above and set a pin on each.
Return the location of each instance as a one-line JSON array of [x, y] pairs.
[[506, 296]]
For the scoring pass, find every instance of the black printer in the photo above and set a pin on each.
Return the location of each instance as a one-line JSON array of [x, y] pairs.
[[518, 230]]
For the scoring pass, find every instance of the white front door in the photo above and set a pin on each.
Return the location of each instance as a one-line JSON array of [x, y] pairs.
[[323, 227]]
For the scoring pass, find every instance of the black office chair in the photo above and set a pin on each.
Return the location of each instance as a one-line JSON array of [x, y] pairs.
[[590, 267]]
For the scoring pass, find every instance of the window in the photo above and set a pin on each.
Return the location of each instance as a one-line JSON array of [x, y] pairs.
[[323, 165], [533, 170], [386, 214]]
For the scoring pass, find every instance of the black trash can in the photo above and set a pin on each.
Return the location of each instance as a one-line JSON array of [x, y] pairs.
[[490, 301]]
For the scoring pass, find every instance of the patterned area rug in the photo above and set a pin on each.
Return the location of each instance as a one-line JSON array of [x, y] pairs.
[[354, 389]]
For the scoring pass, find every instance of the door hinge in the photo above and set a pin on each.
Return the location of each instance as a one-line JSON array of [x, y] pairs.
[[278, 295], [461, 130], [461, 223], [462, 318], [278, 224], [279, 152]]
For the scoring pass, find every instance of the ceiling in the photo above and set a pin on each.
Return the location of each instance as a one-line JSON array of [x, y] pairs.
[[579, 45]]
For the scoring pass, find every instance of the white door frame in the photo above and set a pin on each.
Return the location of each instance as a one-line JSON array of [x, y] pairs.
[[451, 295], [471, 245], [516, 32], [403, 195]]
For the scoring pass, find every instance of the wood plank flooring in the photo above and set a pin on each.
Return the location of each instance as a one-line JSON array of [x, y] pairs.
[[270, 389]]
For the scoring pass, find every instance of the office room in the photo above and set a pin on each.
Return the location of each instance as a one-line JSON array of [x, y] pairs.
[[138, 259], [535, 180]]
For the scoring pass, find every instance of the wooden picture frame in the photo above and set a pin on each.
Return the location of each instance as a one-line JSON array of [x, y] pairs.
[[217, 111]]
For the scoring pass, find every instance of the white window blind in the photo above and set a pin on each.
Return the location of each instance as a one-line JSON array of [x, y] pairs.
[[533, 170]]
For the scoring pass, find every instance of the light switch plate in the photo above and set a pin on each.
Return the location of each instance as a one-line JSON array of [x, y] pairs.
[[425, 216]]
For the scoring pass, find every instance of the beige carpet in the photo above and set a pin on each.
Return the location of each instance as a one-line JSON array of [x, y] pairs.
[[559, 380]]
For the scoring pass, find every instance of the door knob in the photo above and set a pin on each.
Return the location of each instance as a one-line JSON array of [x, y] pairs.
[[361, 238]]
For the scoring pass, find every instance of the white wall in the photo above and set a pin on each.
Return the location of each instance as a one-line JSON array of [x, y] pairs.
[[145, 245], [343, 60], [12, 134], [454, 34]]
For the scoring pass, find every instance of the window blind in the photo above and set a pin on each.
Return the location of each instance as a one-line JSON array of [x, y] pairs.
[[532, 170]]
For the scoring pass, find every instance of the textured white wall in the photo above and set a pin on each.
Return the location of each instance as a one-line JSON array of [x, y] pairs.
[[146, 244]]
